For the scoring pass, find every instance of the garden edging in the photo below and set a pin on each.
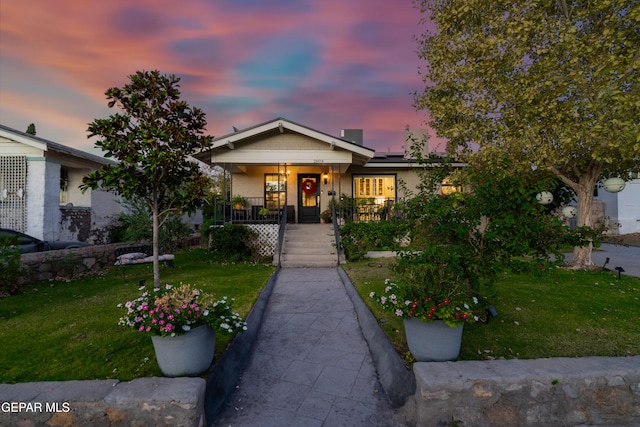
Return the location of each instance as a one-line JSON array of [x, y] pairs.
[[553, 391]]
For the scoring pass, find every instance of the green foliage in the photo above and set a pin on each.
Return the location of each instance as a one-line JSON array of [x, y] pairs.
[[358, 238], [152, 140], [239, 200], [232, 242], [31, 129], [135, 225], [553, 84], [462, 240], [10, 268], [73, 325], [547, 313]]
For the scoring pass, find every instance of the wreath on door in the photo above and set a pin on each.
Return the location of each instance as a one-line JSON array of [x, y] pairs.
[[309, 186]]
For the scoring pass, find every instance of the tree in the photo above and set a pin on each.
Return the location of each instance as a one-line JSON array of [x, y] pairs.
[[31, 129], [553, 84], [152, 140]]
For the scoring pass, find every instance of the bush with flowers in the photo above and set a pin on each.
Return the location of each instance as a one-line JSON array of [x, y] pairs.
[[435, 287], [403, 303], [171, 311]]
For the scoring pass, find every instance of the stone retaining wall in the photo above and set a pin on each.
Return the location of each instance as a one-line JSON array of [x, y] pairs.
[[68, 263], [550, 392], [141, 402]]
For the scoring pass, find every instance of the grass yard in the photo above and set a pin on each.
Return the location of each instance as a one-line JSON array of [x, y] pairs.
[[69, 330], [555, 314]]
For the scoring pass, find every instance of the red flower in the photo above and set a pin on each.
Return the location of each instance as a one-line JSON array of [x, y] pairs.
[[433, 309], [430, 316], [446, 302]]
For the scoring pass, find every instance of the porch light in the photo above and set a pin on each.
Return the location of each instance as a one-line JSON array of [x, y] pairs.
[[614, 185], [326, 178], [569, 211], [544, 197]]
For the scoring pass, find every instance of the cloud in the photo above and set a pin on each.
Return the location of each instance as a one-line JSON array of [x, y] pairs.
[[329, 64]]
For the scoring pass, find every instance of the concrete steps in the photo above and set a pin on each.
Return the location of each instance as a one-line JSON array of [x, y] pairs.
[[309, 245]]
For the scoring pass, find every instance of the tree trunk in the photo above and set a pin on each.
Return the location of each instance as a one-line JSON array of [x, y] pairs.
[[584, 192], [156, 248]]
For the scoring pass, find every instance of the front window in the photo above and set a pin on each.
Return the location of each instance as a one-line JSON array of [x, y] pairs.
[[374, 196], [274, 190], [446, 187], [377, 188]]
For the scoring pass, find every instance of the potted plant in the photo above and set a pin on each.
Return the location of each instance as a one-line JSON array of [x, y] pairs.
[[434, 301], [239, 202], [326, 216], [182, 322]]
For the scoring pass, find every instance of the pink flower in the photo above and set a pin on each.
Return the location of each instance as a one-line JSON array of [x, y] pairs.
[[398, 312], [141, 328]]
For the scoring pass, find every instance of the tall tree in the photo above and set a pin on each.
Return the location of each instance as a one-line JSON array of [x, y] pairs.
[[152, 139], [553, 84], [31, 129]]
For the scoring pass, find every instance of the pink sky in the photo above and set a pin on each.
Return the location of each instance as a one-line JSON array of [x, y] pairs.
[[326, 64]]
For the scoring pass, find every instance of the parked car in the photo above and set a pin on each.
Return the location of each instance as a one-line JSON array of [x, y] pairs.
[[28, 244]]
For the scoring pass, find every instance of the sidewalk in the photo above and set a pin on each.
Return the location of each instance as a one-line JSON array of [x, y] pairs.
[[310, 365]]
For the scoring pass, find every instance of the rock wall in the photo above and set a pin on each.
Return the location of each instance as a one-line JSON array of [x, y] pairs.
[[141, 402], [553, 392], [68, 263]]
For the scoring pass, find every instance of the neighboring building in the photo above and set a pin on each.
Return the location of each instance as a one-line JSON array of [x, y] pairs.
[[280, 164], [39, 192], [622, 210]]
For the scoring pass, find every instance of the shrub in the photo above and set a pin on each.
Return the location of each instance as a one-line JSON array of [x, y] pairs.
[[232, 242], [10, 268], [135, 225], [360, 237]]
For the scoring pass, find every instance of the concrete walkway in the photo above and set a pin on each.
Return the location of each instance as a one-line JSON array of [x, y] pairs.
[[310, 365]]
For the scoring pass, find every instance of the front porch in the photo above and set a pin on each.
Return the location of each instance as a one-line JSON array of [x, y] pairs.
[[257, 210]]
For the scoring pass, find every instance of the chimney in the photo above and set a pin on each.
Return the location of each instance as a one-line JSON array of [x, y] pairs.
[[353, 135]]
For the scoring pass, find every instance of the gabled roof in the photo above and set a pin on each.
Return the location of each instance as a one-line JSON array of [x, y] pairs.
[[46, 145], [281, 124]]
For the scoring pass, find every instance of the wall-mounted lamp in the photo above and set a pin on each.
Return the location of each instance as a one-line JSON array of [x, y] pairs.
[[326, 178], [6, 193]]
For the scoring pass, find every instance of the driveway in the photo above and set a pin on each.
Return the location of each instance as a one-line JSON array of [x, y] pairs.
[[627, 257]]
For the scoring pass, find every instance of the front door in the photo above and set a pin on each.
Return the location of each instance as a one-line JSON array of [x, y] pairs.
[[308, 198]]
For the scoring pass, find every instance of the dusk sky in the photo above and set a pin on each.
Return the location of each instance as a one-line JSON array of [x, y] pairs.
[[326, 64]]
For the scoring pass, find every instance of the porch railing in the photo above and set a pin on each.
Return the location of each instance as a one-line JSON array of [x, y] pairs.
[[365, 210], [253, 210]]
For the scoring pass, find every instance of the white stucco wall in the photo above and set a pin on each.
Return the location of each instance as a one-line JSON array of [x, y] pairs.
[[51, 209], [36, 176], [629, 207]]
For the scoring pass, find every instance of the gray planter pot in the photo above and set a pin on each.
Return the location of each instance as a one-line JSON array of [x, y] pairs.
[[433, 341], [185, 355]]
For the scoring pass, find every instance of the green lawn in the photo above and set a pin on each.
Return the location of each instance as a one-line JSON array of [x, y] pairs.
[[68, 330], [554, 314]]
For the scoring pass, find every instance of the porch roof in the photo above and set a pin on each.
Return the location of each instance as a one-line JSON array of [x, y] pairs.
[[283, 141], [68, 156]]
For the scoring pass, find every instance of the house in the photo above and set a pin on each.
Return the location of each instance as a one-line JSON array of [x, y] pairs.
[[622, 209], [282, 167], [39, 192]]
